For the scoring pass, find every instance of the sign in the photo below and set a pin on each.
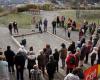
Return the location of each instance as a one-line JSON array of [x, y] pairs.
[[91, 73], [99, 70]]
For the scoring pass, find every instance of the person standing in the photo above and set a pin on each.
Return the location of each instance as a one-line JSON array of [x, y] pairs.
[[73, 25], [40, 25], [56, 58], [82, 55], [72, 47], [95, 39], [58, 21], [81, 33], [36, 73], [48, 52], [15, 27], [41, 61], [93, 55], [69, 32], [10, 28], [98, 61], [45, 25], [89, 49], [31, 60], [9, 54], [54, 26], [63, 54], [71, 62], [51, 67], [4, 74], [73, 75], [20, 63], [62, 21]]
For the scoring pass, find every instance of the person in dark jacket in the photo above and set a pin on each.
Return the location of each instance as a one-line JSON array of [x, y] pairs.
[[10, 28], [51, 67], [54, 26], [95, 40], [82, 41], [9, 54], [31, 60], [98, 61], [93, 55], [40, 26], [15, 27], [48, 52], [41, 61], [73, 25], [58, 21], [20, 63], [72, 47], [56, 58], [82, 54], [45, 25], [89, 49]]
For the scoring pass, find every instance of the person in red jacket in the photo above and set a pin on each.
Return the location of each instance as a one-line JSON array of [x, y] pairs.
[[70, 62]]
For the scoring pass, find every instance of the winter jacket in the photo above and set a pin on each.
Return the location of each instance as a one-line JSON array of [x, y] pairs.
[[69, 59], [31, 61], [71, 76]]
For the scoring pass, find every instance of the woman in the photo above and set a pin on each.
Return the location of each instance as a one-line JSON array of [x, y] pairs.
[[31, 60], [36, 73], [70, 62]]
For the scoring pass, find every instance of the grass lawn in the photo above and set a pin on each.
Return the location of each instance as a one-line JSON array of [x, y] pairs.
[[89, 15], [23, 20]]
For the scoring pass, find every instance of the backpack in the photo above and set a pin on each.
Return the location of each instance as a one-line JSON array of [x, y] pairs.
[[93, 56], [72, 60]]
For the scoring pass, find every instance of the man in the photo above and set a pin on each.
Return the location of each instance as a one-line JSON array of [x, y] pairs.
[[63, 54], [10, 28], [58, 21], [51, 67], [48, 52], [45, 25], [15, 27], [40, 26], [20, 63], [9, 54], [41, 61], [54, 27], [56, 58]]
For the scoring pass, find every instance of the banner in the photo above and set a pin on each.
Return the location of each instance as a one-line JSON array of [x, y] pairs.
[[91, 73], [99, 70]]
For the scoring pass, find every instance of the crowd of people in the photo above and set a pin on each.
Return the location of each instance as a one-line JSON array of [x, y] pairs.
[[72, 58]]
